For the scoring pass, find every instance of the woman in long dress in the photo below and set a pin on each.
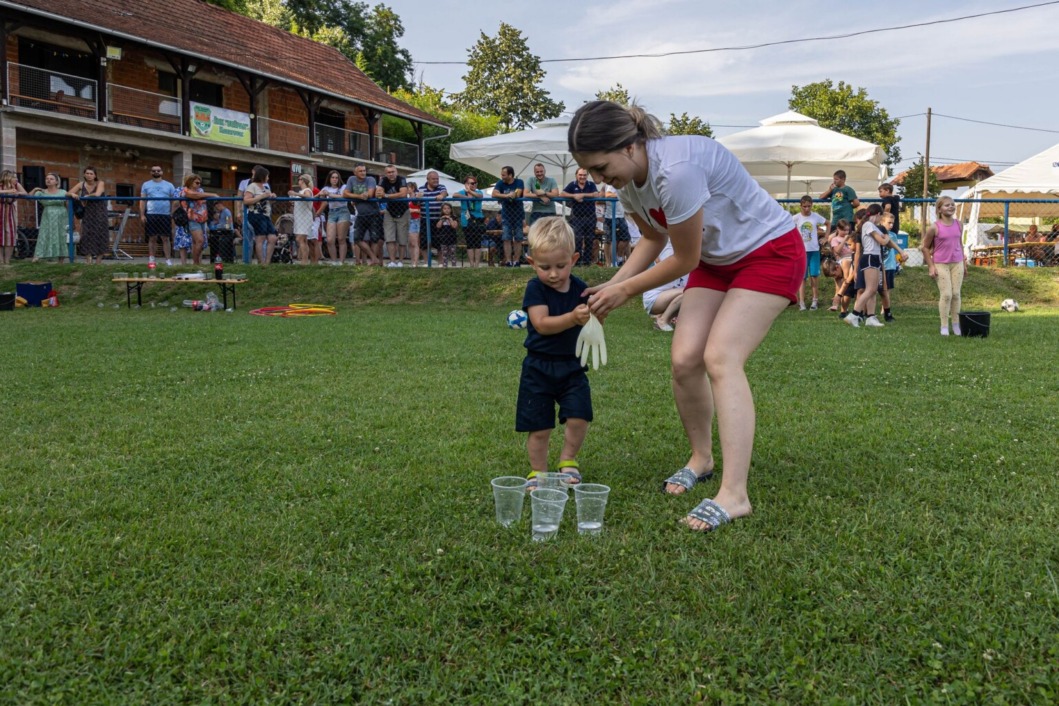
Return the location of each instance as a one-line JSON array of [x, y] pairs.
[[95, 227], [54, 221], [9, 189]]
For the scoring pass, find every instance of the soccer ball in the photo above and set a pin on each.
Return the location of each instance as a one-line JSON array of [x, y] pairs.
[[517, 319], [1009, 305]]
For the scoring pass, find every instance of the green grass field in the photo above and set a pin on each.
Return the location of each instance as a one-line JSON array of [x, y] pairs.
[[221, 508]]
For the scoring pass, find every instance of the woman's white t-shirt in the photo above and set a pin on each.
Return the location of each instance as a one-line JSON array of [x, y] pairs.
[[691, 173], [868, 244]]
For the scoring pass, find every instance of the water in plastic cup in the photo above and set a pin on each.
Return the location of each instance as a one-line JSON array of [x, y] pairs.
[[548, 505], [508, 495], [591, 499]]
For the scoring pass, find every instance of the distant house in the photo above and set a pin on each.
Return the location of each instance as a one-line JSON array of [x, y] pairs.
[[952, 176], [122, 85]]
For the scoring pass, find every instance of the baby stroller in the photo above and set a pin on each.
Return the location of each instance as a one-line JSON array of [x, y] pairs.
[[286, 245]]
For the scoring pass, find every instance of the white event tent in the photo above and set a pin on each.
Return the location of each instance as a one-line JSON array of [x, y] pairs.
[[545, 142], [791, 155], [1034, 179]]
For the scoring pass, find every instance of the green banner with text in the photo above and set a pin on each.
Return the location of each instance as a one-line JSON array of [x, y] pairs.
[[209, 122]]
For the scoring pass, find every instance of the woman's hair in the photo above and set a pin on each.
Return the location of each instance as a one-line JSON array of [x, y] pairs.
[[551, 234], [260, 174], [866, 213], [942, 199], [307, 178], [6, 177], [605, 126], [58, 179], [191, 179], [333, 172], [92, 169]]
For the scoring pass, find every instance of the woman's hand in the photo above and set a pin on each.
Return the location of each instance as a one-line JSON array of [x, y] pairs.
[[605, 298], [932, 271]]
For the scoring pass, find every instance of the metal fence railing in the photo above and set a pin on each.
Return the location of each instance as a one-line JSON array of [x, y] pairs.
[[51, 91], [336, 140], [1030, 239], [391, 151]]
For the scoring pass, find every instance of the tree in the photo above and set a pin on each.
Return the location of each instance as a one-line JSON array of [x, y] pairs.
[[617, 94], [388, 64], [504, 79], [687, 125], [912, 187], [368, 38], [465, 126], [850, 112], [233, 5]]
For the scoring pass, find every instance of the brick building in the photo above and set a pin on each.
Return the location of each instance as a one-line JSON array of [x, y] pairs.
[[121, 85]]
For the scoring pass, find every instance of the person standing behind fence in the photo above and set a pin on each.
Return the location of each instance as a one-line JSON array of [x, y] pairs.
[[614, 219], [432, 192], [304, 220], [95, 226], [843, 199], [259, 214], [543, 190], [221, 233], [582, 214], [198, 213], [51, 236], [9, 190], [367, 227], [943, 253], [445, 229], [509, 190], [156, 214], [414, 224], [338, 218], [472, 219], [395, 218], [891, 204]]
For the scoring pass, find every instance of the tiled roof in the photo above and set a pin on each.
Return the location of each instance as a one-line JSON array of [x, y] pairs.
[[197, 28], [947, 173]]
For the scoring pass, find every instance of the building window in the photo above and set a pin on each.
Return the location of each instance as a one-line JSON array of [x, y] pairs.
[[124, 194], [208, 93], [210, 177]]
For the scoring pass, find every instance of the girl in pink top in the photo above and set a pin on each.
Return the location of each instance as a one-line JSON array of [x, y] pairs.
[[943, 253]]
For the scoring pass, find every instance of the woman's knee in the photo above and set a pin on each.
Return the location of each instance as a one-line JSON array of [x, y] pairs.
[[687, 364]]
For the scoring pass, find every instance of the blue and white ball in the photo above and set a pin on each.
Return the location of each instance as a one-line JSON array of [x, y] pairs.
[[517, 319]]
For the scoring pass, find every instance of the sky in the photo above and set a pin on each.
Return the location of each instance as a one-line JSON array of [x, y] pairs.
[[995, 69]]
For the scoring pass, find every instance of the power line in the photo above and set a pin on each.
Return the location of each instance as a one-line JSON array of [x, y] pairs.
[[802, 40], [983, 122]]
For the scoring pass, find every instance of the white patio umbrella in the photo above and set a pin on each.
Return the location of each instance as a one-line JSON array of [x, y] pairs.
[[450, 184], [545, 142], [790, 154]]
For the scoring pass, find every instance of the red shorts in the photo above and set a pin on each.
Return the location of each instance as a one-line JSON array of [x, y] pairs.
[[777, 267]]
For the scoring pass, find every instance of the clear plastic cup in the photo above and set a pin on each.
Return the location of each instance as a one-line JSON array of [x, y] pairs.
[[509, 492], [548, 505], [591, 500]]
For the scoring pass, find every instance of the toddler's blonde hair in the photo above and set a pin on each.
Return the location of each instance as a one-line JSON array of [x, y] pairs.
[[550, 235]]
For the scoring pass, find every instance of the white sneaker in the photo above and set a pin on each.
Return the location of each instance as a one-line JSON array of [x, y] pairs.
[[853, 320], [944, 331], [150, 259], [398, 264], [801, 306], [956, 330], [168, 263], [391, 265], [814, 305], [874, 322]]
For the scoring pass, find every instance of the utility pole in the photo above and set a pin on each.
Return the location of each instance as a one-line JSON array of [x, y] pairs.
[[926, 182]]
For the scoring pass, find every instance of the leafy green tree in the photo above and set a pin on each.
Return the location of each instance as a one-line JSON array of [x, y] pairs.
[[850, 112], [688, 125], [504, 78], [465, 126], [912, 187], [617, 94], [387, 63]]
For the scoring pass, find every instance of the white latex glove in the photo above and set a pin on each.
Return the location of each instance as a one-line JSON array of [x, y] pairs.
[[590, 341]]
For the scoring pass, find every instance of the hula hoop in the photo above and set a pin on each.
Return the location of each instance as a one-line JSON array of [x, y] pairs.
[[295, 310]]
